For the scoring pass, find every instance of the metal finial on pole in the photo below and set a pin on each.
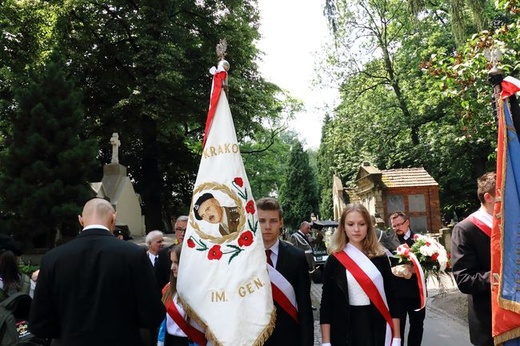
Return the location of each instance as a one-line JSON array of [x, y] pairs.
[[221, 49], [223, 65], [493, 55]]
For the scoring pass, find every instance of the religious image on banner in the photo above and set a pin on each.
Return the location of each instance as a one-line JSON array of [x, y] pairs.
[[505, 288], [223, 281]]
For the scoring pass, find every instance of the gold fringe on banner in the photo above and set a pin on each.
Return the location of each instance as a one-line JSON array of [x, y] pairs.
[[262, 338]]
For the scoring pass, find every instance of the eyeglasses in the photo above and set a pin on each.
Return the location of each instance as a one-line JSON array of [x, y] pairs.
[[397, 225], [180, 230]]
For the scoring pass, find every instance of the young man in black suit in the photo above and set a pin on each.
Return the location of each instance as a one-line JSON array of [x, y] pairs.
[[471, 258], [95, 289], [407, 290], [290, 262]]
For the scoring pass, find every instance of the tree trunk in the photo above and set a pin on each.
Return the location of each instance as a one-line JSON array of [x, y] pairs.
[[151, 180]]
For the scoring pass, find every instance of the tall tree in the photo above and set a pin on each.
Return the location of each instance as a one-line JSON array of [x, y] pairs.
[[145, 72], [143, 69], [411, 123], [44, 181], [298, 193]]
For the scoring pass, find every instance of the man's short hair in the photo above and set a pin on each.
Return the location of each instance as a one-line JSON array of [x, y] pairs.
[[397, 214], [486, 183], [182, 218], [152, 235], [270, 203], [203, 198]]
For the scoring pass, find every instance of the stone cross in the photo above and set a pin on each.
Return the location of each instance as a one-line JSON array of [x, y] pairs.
[[116, 143]]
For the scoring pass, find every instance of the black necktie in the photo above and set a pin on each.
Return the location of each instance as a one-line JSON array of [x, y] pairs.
[[401, 239], [268, 257], [155, 261]]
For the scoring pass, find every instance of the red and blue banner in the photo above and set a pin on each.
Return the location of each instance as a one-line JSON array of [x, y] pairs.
[[505, 236]]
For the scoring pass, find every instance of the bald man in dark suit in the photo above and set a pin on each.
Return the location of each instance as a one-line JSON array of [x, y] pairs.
[[95, 289]]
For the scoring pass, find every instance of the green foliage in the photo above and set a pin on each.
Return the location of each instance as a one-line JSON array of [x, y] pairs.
[[298, 194], [143, 70], [28, 268], [408, 99], [266, 164], [45, 167]]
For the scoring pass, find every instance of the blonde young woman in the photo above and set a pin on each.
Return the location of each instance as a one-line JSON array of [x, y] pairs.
[[358, 305]]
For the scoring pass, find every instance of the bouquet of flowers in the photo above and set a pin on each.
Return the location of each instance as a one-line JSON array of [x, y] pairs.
[[428, 252]]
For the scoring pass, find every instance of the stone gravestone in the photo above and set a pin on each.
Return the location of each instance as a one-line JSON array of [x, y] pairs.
[[117, 187]]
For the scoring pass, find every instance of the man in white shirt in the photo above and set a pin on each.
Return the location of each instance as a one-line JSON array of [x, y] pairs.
[[290, 262], [407, 290], [154, 243], [471, 259]]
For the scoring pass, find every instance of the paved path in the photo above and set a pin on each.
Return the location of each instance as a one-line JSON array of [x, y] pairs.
[[446, 321]]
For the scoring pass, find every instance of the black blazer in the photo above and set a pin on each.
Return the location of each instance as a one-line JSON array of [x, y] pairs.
[[163, 267], [471, 263], [334, 307], [292, 265], [406, 288], [95, 290]]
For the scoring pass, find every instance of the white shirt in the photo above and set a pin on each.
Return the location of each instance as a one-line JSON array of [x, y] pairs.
[[152, 257], [356, 294], [95, 226], [274, 252]]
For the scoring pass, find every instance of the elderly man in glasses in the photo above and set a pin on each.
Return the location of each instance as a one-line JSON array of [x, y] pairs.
[[163, 270], [407, 290]]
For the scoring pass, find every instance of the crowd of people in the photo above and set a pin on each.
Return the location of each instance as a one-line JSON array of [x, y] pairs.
[[100, 290]]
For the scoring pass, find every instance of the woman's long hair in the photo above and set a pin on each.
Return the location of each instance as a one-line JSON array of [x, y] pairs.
[[172, 288], [9, 271], [371, 246]]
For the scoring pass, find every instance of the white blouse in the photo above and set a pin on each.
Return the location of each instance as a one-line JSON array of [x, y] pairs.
[[356, 295]]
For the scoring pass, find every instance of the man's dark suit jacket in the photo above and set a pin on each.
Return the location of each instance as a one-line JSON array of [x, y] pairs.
[[406, 288], [292, 265], [471, 258], [163, 268], [334, 307], [95, 290]]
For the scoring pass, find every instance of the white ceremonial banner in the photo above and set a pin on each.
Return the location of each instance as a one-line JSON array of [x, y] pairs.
[[223, 282]]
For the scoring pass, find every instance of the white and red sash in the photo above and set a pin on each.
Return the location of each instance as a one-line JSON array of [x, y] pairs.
[[191, 332], [283, 292], [370, 280], [482, 220], [421, 279]]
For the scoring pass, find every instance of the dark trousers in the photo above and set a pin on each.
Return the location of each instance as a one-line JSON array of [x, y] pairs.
[[415, 318], [173, 340]]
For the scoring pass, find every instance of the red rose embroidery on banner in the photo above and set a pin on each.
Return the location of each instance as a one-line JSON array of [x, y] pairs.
[[245, 239], [250, 207], [191, 243], [215, 253], [239, 181]]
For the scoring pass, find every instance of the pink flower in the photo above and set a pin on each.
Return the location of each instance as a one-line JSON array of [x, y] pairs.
[[403, 250]]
